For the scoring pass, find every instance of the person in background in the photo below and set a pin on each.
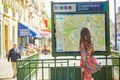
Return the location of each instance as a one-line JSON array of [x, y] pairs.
[[28, 50], [22, 49], [14, 54], [89, 64]]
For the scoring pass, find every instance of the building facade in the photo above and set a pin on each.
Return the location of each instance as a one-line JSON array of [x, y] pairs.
[[118, 24], [12, 12], [112, 29]]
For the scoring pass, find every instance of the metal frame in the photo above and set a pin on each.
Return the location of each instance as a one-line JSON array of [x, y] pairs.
[[63, 68]]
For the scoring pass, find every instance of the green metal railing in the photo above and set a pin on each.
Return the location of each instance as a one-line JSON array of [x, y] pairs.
[[65, 69], [24, 67]]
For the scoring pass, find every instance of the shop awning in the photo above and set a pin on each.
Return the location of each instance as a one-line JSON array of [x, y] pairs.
[[45, 33], [26, 31]]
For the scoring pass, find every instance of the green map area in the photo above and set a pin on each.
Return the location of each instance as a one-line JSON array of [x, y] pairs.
[[68, 29]]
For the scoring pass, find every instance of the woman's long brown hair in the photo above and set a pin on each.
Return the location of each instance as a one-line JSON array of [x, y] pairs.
[[85, 38]]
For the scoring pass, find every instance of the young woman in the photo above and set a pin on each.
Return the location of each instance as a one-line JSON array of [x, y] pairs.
[[89, 63]]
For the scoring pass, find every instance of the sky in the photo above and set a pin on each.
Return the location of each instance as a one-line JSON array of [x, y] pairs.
[[111, 6]]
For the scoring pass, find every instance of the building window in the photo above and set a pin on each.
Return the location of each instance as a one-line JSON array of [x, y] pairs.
[[33, 1], [13, 33]]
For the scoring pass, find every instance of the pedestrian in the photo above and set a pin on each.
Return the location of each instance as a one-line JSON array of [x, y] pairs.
[[89, 64], [14, 54], [22, 49], [28, 50]]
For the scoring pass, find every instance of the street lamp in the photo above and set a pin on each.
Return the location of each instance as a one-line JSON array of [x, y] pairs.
[[115, 25]]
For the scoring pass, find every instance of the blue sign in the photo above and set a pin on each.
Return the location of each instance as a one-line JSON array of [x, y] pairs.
[[90, 6], [25, 31]]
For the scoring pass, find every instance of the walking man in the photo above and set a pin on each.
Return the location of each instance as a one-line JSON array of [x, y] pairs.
[[14, 54]]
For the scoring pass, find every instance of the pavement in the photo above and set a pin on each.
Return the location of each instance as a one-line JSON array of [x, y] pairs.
[[6, 70]]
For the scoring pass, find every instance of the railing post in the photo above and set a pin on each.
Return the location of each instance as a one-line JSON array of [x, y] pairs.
[[29, 71], [42, 71], [18, 63], [24, 70], [119, 68], [55, 69], [49, 68], [106, 67], [68, 69], [36, 69], [99, 75], [74, 72], [62, 71]]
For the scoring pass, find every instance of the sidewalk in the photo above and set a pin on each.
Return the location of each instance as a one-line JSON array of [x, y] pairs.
[[6, 70]]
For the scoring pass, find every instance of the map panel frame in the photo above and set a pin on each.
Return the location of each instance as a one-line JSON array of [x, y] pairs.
[[104, 11]]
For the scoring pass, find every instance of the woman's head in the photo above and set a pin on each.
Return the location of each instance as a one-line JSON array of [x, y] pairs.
[[85, 38], [85, 34]]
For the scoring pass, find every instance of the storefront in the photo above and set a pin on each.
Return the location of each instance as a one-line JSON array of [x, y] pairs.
[[27, 35], [46, 41]]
